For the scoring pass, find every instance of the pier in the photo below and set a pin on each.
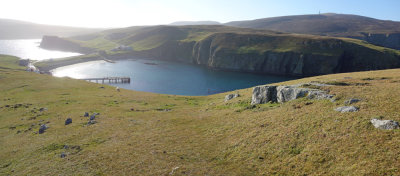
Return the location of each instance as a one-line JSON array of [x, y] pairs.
[[109, 80]]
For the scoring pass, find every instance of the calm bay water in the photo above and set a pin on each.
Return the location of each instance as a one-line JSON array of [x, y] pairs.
[[158, 77], [29, 49], [168, 77]]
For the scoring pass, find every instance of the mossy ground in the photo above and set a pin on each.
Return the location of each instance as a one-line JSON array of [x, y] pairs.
[[201, 135]]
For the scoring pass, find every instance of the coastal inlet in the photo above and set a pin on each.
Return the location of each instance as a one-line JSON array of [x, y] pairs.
[[166, 77]]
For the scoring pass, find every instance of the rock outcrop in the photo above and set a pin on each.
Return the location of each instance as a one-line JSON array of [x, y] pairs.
[[385, 124], [281, 94], [344, 109], [231, 96], [351, 101], [263, 94]]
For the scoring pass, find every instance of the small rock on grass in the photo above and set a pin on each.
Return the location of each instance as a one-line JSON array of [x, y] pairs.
[[347, 109], [68, 121], [385, 124], [86, 114], [231, 96], [43, 128], [351, 101]]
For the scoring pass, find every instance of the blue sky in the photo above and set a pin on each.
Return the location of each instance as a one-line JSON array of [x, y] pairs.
[[121, 13]]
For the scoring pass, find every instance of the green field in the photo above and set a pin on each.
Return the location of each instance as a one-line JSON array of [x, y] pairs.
[[140, 133]]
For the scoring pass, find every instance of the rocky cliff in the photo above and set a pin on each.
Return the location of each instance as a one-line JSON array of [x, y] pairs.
[[312, 56]]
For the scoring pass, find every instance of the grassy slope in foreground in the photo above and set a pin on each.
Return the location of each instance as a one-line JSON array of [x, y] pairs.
[[200, 135]]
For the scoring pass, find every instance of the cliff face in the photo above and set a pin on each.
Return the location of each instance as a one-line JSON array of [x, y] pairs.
[[218, 52], [57, 43]]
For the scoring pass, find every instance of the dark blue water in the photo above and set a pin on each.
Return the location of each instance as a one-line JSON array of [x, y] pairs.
[[168, 77]]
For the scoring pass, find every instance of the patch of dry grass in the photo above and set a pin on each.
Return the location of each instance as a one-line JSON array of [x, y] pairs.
[[200, 135]]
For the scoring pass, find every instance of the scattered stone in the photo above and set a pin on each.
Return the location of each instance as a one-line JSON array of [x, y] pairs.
[[63, 155], [42, 109], [347, 109], [385, 124], [351, 101], [173, 170], [318, 95], [132, 109], [231, 96], [263, 94], [92, 117], [117, 89], [66, 147], [260, 157], [19, 131], [86, 114], [68, 121], [42, 129], [164, 110], [91, 122], [101, 87]]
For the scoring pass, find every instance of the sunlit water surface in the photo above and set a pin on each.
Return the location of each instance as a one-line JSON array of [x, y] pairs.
[[29, 49], [168, 77]]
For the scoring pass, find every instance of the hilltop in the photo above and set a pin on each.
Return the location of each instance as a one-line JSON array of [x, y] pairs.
[[378, 32], [228, 48], [14, 29], [151, 134]]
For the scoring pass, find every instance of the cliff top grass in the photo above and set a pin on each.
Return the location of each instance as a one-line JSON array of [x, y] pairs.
[[139, 133]]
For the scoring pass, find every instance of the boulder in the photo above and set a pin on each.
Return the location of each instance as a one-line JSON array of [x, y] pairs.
[[68, 121], [91, 122], [43, 128], [351, 101], [385, 124], [263, 94], [347, 109], [231, 96], [318, 95], [92, 117], [63, 155], [288, 93]]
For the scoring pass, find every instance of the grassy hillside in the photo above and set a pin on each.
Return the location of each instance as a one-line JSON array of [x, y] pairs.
[[14, 29], [323, 24], [378, 32], [140, 133]]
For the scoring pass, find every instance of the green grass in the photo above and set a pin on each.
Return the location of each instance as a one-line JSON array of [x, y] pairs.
[[202, 135]]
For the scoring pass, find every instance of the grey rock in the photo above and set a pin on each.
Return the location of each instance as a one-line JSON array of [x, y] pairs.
[[318, 95], [63, 155], [288, 93], [263, 94], [86, 114], [43, 128], [68, 121], [385, 124], [231, 96], [91, 122], [92, 117], [351, 101], [347, 109], [42, 109]]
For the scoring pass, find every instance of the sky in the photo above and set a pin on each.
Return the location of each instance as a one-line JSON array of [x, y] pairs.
[[123, 13]]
